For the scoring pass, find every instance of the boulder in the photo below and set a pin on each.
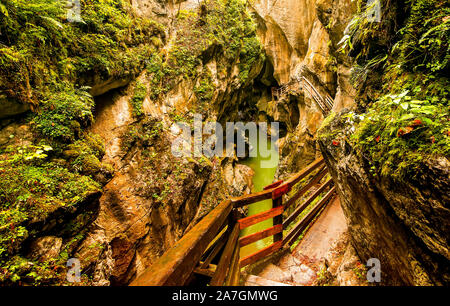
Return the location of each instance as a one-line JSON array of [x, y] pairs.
[[10, 107]]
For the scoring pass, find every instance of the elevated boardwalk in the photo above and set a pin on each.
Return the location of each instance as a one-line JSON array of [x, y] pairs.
[[211, 249], [302, 265], [323, 101]]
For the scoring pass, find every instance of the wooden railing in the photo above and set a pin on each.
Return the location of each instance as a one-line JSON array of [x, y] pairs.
[[325, 102], [216, 237]]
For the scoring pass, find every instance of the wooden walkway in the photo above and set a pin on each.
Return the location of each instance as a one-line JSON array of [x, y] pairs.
[[301, 266], [212, 247], [324, 102]]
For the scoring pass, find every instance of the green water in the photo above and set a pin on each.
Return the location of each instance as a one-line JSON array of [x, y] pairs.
[[264, 175]]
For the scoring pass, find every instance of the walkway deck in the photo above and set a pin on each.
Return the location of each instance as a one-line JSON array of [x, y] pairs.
[[301, 266]]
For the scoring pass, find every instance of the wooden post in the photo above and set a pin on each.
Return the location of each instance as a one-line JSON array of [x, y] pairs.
[[278, 219]]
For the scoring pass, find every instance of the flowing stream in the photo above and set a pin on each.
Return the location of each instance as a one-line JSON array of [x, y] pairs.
[[264, 175]]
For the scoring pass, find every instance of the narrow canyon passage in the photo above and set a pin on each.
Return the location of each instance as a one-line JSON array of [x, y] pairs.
[[105, 142]]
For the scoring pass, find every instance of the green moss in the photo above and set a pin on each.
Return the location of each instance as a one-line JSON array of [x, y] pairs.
[[407, 123], [142, 134], [31, 188], [204, 89], [63, 113], [328, 119], [45, 60], [85, 154], [140, 92], [224, 29]]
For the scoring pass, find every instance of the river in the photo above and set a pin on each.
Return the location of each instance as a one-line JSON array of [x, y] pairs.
[[264, 175]]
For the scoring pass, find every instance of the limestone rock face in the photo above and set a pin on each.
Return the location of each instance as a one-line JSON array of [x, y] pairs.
[[405, 224], [300, 38], [9, 107], [47, 247], [285, 30], [238, 178], [152, 199]]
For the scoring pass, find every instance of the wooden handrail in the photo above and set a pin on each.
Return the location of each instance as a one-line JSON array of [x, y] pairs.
[[308, 201], [243, 241], [235, 270], [305, 188], [267, 194], [251, 198], [217, 234], [225, 259], [260, 254], [257, 218], [302, 224], [215, 251], [176, 265], [302, 174]]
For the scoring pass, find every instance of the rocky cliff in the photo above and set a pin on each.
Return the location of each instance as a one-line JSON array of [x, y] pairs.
[[301, 38], [86, 163], [174, 59], [389, 158], [405, 224]]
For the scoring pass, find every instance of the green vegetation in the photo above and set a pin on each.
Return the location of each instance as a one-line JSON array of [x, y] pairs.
[[220, 27], [31, 188], [45, 60], [140, 92], [405, 121], [55, 65]]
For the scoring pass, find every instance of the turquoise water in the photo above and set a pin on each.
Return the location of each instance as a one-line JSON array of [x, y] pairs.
[[265, 169]]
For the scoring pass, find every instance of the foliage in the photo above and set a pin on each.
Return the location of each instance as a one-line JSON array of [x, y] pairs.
[[408, 121], [64, 112], [140, 92], [45, 59], [221, 27], [31, 188], [85, 155], [204, 90]]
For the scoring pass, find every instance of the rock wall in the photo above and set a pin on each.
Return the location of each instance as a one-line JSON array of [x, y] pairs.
[[301, 37], [149, 197], [405, 224]]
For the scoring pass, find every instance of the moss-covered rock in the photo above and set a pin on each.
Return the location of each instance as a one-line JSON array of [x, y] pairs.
[[402, 222]]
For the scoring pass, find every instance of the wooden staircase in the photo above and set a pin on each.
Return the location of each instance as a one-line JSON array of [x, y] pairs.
[[324, 102], [211, 249]]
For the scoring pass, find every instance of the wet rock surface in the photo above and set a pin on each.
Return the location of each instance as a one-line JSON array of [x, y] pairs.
[[405, 224]]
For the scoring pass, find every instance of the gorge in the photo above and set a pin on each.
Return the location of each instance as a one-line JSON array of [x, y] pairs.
[[86, 110]]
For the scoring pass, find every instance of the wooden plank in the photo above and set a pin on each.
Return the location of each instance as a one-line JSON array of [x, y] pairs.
[[225, 259], [280, 191], [208, 271], [305, 221], [243, 241], [305, 188], [218, 237], [219, 245], [308, 201], [278, 202], [252, 198], [235, 271], [176, 265], [260, 254], [267, 194], [248, 221], [302, 174]]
